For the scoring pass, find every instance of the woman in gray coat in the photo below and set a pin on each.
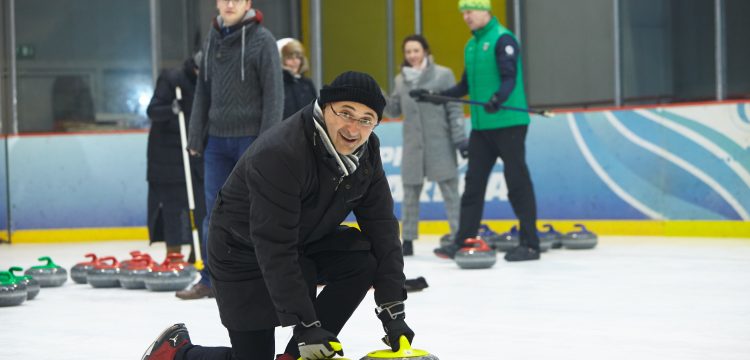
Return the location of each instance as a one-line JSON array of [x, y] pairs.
[[432, 133]]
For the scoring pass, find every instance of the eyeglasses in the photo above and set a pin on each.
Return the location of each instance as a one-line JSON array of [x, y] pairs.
[[364, 123], [234, 2]]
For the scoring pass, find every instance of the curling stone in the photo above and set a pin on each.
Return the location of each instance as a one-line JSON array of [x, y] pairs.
[[48, 275], [177, 260], [78, 271], [476, 255], [105, 274], [546, 238], [173, 274], [11, 294], [553, 236], [404, 352], [133, 276], [27, 282], [487, 234], [507, 240], [135, 254], [578, 240]]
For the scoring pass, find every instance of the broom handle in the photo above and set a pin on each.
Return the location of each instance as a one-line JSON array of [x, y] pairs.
[[189, 184], [443, 98]]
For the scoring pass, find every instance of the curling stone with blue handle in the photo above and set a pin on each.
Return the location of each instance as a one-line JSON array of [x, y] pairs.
[[476, 255], [488, 235], [404, 352], [105, 274], [580, 240], [78, 271], [27, 282], [48, 275], [507, 240], [554, 236], [11, 294]]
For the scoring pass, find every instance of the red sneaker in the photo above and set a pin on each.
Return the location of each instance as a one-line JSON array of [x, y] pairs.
[[166, 345], [285, 357]]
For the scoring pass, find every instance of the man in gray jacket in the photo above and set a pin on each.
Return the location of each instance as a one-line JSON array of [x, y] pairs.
[[239, 95]]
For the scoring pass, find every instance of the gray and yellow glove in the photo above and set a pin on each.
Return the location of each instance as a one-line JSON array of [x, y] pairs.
[[315, 343]]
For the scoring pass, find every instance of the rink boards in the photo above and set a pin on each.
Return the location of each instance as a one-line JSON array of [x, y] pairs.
[[677, 170]]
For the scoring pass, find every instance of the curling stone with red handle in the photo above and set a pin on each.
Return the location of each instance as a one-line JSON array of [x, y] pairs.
[[173, 275], [105, 273], [78, 271], [475, 255], [134, 275]]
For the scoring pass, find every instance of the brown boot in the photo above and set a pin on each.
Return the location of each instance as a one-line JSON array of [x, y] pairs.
[[198, 291]]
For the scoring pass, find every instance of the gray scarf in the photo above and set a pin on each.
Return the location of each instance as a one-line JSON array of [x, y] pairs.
[[347, 163], [411, 75]]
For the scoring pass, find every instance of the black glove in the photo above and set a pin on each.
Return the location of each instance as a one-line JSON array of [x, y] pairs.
[[463, 148], [493, 105], [420, 96], [177, 106], [392, 316], [314, 342]]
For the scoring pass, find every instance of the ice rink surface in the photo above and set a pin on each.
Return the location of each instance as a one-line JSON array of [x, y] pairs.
[[630, 298]]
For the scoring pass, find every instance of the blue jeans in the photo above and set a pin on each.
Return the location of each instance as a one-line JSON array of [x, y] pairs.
[[219, 158]]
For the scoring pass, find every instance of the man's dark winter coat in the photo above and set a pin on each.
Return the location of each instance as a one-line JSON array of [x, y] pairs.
[[286, 199]]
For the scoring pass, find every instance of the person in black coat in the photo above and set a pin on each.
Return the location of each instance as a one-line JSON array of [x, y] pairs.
[[168, 216], [275, 234], [299, 91]]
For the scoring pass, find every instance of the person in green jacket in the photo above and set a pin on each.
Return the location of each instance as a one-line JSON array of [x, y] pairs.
[[493, 74]]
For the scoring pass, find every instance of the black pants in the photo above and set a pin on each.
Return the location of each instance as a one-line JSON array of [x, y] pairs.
[[347, 276], [485, 146]]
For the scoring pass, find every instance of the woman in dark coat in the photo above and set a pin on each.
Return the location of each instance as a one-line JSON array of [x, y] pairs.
[[299, 91], [168, 216], [275, 234]]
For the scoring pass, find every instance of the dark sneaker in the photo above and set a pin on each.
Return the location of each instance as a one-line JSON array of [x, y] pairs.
[[521, 253], [408, 248], [417, 284], [447, 251], [198, 291], [285, 357], [166, 345]]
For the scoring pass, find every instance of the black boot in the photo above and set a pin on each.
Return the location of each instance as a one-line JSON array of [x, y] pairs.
[[408, 248], [417, 284], [447, 251], [521, 253]]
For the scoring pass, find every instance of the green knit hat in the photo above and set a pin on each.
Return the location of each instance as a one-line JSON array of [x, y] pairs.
[[485, 5]]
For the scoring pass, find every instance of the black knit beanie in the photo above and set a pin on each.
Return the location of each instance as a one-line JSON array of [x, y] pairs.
[[357, 87]]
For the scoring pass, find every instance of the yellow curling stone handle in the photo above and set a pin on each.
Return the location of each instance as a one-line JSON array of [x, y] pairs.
[[404, 351]]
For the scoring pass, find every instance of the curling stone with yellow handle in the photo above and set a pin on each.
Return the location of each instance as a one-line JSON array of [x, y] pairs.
[[404, 352]]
